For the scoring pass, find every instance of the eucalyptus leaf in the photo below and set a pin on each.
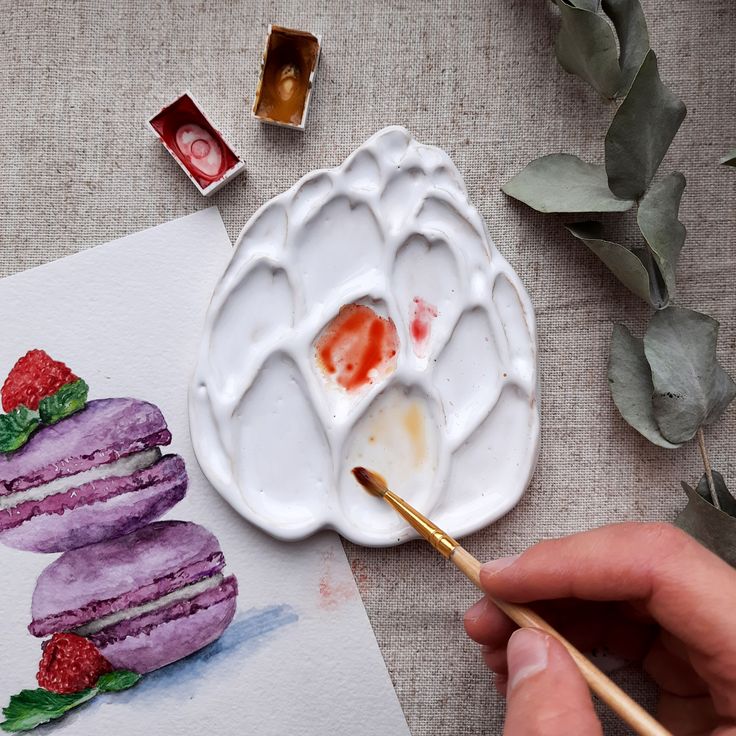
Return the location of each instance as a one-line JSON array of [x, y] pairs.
[[586, 47], [712, 527], [630, 381], [633, 38], [592, 5], [623, 263], [723, 393], [729, 159], [726, 501], [561, 182], [641, 132], [658, 223], [690, 387]]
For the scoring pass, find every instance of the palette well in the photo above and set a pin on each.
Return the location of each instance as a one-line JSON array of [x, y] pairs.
[[288, 67], [366, 318], [196, 144]]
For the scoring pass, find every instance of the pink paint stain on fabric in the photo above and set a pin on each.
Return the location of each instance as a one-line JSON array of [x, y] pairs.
[[360, 573], [421, 324]]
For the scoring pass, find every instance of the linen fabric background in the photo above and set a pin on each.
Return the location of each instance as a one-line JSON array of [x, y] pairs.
[[80, 79]]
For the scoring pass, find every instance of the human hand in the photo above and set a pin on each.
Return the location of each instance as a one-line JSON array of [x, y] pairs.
[[645, 592]]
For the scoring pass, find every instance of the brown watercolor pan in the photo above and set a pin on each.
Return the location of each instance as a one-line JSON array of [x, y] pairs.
[[288, 67]]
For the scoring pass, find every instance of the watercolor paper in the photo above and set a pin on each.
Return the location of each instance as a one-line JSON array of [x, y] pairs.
[[367, 318], [280, 638]]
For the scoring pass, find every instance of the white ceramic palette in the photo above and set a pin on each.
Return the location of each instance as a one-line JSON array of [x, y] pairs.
[[427, 375]]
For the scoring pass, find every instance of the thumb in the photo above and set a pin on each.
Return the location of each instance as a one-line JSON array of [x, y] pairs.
[[546, 693]]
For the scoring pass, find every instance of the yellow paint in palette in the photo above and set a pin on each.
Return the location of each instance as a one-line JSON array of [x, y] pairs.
[[414, 424], [409, 419]]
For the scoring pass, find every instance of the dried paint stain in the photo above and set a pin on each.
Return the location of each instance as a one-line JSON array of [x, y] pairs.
[[360, 573], [334, 588], [357, 347], [413, 421], [421, 324]]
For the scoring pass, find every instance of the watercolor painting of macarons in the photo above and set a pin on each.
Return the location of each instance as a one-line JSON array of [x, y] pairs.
[[129, 594]]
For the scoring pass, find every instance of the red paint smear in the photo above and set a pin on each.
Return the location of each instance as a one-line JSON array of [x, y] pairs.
[[182, 112], [333, 592], [357, 345], [421, 321], [360, 573]]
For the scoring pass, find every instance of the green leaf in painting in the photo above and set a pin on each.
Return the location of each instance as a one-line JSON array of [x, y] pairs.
[[658, 223], [586, 47], [729, 159], [713, 528], [68, 399], [561, 182], [641, 132], [112, 682], [630, 381], [623, 263], [633, 38], [31, 708], [16, 427], [690, 387]]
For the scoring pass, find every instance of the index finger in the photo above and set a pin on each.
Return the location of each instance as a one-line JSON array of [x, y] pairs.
[[686, 588]]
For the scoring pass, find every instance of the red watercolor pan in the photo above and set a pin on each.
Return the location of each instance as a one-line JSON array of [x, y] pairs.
[[196, 144]]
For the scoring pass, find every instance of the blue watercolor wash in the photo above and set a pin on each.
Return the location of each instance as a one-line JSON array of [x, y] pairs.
[[247, 634]]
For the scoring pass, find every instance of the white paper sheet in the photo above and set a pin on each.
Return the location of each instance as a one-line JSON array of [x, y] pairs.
[[300, 656]]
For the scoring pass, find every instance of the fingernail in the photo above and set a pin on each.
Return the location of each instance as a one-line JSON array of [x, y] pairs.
[[476, 610], [495, 566], [526, 655]]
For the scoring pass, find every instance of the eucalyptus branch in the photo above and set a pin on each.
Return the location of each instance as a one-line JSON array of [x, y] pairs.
[[668, 383], [708, 469]]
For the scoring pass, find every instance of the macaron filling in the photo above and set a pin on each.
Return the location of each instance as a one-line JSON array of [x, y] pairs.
[[180, 594], [116, 469], [190, 580]]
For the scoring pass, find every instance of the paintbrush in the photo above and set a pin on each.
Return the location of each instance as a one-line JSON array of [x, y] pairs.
[[610, 693]]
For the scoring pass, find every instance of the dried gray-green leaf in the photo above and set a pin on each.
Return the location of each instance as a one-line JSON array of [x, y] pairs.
[[625, 265], [665, 234], [712, 527], [586, 47], [633, 38], [641, 132], [726, 501], [630, 381], [722, 394], [729, 159], [561, 182], [592, 5], [680, 347]]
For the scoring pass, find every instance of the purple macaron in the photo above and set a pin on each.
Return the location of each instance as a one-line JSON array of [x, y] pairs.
[[144, 600], [95, 475]]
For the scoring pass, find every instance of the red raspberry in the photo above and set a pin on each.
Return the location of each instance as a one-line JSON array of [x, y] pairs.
[[32, 378], [70, 663]]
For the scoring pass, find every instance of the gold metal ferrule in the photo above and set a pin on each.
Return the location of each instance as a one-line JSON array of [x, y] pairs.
[[442, 542]]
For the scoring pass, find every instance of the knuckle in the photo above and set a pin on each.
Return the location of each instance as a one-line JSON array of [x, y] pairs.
[[657, 536]]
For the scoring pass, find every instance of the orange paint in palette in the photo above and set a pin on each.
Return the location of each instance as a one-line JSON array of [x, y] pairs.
[[357, 346]]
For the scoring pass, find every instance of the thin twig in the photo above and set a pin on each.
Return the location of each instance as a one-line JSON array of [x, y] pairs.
[[708, 471]]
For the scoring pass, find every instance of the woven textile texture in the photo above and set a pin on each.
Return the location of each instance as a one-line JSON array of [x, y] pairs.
[[480, 79]]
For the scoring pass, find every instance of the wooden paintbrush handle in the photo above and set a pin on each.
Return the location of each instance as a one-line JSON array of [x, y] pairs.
[[610, 693]]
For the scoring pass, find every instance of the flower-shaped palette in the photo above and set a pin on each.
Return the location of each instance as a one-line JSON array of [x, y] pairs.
[[366, 318]]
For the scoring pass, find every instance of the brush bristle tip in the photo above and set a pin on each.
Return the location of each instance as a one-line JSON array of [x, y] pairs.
[[371, 482]]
